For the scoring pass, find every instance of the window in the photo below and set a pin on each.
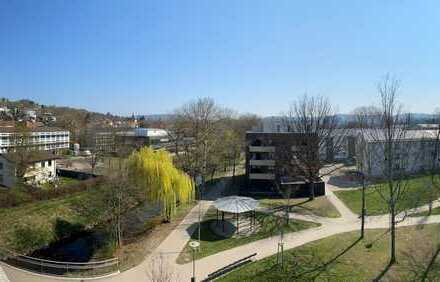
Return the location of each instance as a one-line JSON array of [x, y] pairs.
[[43, 164], [1, 165], [49, 163], [1, 178]]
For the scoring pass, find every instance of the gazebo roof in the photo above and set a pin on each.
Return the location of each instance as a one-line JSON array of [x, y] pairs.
[[235, 204]]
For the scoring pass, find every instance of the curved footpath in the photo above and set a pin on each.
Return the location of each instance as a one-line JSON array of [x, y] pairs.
[[170, 248]]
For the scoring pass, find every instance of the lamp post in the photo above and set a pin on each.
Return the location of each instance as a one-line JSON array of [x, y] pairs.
[[199, 182], [364, 210], [194, 245]]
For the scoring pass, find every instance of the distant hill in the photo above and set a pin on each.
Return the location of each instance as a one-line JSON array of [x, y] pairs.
[[351, 118], [155, 117], [72, 119]]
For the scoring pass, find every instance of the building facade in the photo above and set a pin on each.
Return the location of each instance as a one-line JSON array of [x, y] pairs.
[[38, 138], [110, 140], [416, 151], [274, 159], [41, 168]]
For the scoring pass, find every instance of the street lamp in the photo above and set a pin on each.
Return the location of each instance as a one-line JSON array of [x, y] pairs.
[[194, 245], [364, 211], [199, 182]]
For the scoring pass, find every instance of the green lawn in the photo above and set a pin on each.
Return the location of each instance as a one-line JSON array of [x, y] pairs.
[[62, 181], [434, 211], [41, 217], [320, 206], [344, 258], [416, 194], [212, 243]]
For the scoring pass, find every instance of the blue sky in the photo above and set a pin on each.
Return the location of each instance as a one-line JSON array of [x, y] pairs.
[[254, 56]]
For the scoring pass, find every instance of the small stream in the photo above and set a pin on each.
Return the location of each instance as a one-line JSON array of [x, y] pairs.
[[78, 248]]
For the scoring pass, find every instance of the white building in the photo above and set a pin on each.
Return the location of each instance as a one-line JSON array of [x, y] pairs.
[[31, 114], [41, 168], [412, 153], [39, 138]]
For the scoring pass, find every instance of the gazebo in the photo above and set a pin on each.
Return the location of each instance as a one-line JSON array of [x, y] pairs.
[[236, 205]]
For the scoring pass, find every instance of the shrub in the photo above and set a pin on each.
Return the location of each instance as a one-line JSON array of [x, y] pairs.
[[21, 195], [64, 229], [28, 238]]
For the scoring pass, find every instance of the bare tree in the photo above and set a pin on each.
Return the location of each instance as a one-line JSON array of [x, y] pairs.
[[432, 150], [199, 122], [158, 270], [386, 128], [115, 197], [315, 116], [22, 151]]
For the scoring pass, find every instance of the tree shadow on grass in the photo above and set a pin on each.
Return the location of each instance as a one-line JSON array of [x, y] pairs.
[[306, 267], [206, 232], [323, 267], [421, 264], [383, 272], [296, 205]]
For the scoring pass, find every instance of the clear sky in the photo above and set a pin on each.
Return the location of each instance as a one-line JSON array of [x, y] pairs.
[[150, 56]]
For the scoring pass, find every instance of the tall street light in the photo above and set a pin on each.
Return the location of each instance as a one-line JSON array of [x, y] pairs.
[[194, 245]]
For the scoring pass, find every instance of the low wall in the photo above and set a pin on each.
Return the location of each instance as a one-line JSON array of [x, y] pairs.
[[266, 190], [75, 174]]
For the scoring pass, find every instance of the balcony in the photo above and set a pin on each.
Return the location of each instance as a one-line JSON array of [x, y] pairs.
[[262, 162], [262, 176], [262, 149]]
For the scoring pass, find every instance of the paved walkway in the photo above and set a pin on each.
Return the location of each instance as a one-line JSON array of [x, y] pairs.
[[170, 248], [3, 277]]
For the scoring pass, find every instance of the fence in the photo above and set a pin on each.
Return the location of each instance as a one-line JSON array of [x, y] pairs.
[[61, 268], [75, 174]]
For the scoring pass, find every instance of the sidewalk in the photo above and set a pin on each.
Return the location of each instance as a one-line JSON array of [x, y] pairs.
[[3, 277], [170, 248]]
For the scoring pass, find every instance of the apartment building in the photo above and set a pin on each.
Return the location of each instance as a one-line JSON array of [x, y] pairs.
[[415, 152], [339, 147], [274, 159], [38, 138]]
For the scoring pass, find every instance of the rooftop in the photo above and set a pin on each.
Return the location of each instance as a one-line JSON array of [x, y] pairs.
[[32, 157]]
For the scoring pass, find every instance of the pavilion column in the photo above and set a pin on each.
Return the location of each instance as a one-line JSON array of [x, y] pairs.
[[238, 223]]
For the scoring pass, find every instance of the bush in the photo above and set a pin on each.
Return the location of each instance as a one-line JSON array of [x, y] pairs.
[[64, 229], [14, 197], [26, 238], [22, 195]]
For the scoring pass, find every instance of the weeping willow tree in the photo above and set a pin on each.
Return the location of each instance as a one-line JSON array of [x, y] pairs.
[[163, 183]]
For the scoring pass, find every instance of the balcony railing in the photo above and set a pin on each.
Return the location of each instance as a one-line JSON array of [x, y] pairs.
[[262, 176]]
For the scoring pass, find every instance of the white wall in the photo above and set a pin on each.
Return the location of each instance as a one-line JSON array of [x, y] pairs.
[[42, 173]]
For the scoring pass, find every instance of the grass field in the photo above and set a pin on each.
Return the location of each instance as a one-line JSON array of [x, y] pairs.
[[40, 216], [62, 181], [434, 211], [416, 194], [320, 206], [211, 243], [344, 258]]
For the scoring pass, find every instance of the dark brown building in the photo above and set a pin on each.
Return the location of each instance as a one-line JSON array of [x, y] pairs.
[[274, 160]]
